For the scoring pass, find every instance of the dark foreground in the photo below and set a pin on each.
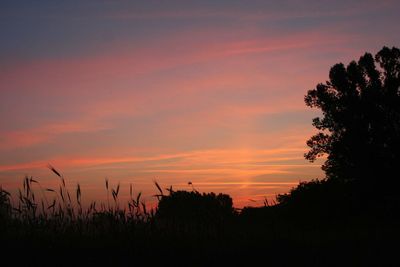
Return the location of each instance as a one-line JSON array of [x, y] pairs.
[[340, 229], [242, 242]]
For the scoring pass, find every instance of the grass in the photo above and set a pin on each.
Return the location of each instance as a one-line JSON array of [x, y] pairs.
[[189, 228]]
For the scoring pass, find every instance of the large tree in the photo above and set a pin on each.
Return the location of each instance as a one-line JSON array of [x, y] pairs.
[[359, 130]]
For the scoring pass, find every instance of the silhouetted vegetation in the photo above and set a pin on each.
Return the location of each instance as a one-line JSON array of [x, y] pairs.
[[194, 209], [349, 218], [308, 223], [5, 206], [360, 126], [360, 134]]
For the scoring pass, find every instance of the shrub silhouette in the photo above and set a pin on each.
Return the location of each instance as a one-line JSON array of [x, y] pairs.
[[194, 207], [324, 198], [360, 126]]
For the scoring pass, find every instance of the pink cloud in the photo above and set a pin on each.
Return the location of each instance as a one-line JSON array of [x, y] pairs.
[[126, 59], [34, 136]]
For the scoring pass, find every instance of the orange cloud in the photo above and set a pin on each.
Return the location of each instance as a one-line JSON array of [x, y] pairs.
[[237, 159]]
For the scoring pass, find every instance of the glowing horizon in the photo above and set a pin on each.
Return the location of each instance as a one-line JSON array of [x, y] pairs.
[[208, 92]]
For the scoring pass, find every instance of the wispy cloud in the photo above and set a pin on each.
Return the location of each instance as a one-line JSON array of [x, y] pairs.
[[35, 136], [186, 161]]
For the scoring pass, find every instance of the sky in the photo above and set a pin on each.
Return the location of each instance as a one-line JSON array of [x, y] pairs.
[[208, 92]]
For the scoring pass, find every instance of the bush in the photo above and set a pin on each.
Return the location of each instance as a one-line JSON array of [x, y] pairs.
[[322, 198], [193, 207]]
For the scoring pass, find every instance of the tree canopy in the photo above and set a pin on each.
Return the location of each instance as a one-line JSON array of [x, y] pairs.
[[359, 130]]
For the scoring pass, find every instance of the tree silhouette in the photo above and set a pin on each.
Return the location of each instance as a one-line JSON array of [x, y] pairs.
[[359, 130]]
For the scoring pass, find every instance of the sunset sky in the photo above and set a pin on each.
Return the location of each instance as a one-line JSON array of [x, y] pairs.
[[175, 91]]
